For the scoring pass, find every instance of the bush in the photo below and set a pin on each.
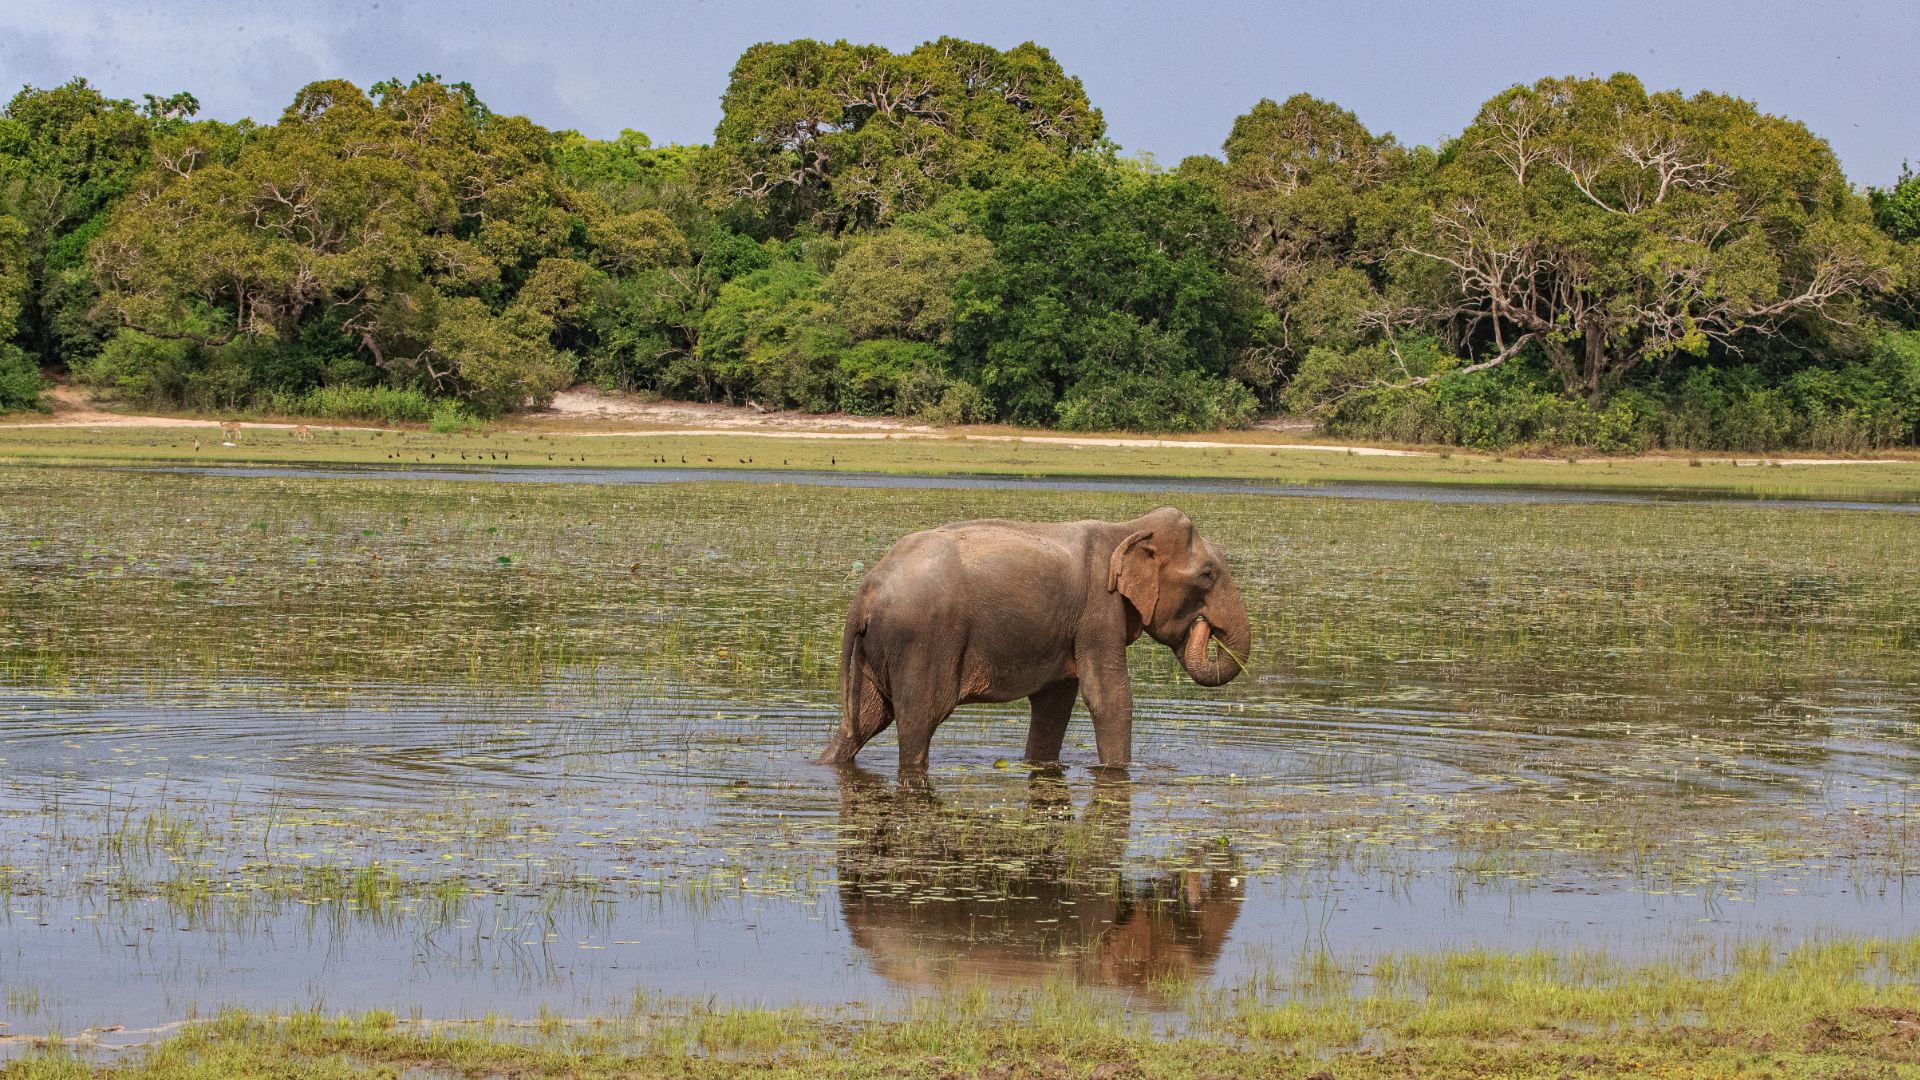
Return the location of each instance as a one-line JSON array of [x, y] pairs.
[[1165, 401], [496, 366], [1896, 356], [452, 418], [919, 392], [1104, 287], [1869, 403], [19, 379], [961, 403], [872, 374], [388, 404], [768, 336], [143, 370]]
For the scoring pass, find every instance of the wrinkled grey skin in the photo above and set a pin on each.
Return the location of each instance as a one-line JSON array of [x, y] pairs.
[[1000, 610]]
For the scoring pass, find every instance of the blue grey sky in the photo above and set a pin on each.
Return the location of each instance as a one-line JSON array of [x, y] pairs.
[[1169, 76]]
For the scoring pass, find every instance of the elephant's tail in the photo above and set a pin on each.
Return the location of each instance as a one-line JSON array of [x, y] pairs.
[[856, 694], [851, 675]]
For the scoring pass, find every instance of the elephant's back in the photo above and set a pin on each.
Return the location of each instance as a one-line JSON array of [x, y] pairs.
[[990, 538], [988, 547], [976, 565], [918, 567]]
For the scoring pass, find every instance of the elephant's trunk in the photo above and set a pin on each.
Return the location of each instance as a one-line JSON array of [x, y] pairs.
[[1228, 616]]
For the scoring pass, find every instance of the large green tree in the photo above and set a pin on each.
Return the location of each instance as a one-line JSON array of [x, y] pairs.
[[407, 224], [1896, 210], [1302, 180], [1608, 227], [648, 324], [843, 136], [899, 283], [628, 174], [769, 335], [1111, 301], [19, 375], [67, 154]]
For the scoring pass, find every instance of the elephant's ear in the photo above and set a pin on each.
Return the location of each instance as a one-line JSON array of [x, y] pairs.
[[1134, 574]]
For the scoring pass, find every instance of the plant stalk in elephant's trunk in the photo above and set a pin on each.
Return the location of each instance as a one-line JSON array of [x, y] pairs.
[[1217, 670]]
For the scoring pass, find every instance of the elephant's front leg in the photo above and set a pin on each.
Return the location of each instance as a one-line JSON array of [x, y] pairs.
[[1109, 693], [1048, 729]]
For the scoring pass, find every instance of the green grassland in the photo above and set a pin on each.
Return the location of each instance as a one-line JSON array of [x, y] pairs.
[[1892, 479], [1834, 1009]]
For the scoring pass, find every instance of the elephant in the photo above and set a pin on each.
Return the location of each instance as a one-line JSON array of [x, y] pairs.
[[936, 895], [994, 611]]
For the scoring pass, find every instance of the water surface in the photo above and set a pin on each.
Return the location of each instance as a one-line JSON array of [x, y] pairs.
[[463, 746], [1504, 494]]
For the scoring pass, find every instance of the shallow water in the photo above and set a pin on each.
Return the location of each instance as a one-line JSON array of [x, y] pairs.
[[1503, 495], [246, 762]]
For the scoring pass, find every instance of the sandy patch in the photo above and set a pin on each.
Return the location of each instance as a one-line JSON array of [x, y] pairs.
[[587, 404], [628, 416], [689, 418], [73, 409]]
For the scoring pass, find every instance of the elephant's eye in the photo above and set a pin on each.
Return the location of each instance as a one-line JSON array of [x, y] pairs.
[[1206, 576]]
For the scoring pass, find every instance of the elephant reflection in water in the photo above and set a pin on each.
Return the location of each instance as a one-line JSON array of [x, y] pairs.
[[938, 895]]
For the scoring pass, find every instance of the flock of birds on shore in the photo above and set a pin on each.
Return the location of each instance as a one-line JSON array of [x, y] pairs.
[[507, 455]]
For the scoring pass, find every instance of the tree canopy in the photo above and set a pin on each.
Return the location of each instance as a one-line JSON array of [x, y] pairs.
[[1610, 227], [1300, 181], [1107, 292], [67, 155], [433, 236], [1897, 209], [842, 136], [945, 232], [1613, 245]]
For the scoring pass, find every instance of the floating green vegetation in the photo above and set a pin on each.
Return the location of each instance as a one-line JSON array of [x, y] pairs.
[[332, 585]]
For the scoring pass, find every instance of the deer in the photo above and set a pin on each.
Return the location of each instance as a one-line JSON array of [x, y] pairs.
[[303, 433], [230, 431]]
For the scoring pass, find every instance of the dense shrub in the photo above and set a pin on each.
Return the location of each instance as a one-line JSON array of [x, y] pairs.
[[890, 375], [152, 372], [19, 379], [1164, 401], [387, 404], [960, 403], [1870, 403], [451, 418], [1102, 284]]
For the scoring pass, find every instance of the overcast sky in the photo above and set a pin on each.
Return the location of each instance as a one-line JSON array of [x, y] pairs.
[[1169, 81]]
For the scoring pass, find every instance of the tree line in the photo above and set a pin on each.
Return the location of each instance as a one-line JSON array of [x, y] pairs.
[[947, 233]]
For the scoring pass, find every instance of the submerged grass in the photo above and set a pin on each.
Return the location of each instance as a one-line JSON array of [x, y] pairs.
[[1836, 1008]]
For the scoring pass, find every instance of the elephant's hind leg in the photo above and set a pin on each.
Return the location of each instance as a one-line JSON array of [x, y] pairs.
[[917, 723], [918, 713], [872, 714], [1051, 708]]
